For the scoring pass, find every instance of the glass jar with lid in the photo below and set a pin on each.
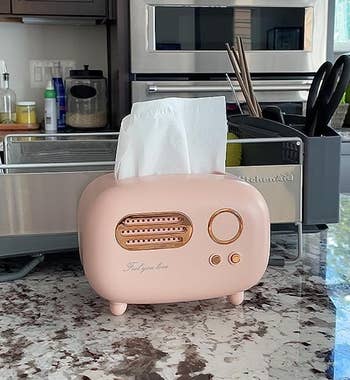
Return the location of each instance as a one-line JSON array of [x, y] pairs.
[[86, 92], [26, 113]]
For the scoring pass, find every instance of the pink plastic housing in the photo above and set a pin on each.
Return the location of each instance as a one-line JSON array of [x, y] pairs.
[[186, 273]]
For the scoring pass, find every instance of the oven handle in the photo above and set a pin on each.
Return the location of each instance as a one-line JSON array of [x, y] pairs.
[[156, 89]]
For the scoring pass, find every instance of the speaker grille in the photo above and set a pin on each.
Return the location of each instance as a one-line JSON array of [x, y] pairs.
[[153, 231]]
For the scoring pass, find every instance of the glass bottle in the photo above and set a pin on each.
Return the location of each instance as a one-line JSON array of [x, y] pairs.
[[7, 102]]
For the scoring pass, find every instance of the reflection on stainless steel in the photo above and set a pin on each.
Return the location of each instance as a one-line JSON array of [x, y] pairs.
[[280, 185], [44, 178], [41, 203], [59, 148]]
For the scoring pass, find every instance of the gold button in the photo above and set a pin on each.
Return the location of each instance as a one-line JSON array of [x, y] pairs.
[[215, 259], [234, 258]]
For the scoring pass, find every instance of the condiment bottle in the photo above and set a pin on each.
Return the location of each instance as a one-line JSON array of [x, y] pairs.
[[7, 102], [50, 109], [60, 95]]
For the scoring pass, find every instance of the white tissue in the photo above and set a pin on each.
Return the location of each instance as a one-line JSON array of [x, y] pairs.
[[173, 135]]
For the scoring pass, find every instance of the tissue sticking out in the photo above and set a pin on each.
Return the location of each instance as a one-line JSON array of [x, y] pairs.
[[173, 136], [153, 231]]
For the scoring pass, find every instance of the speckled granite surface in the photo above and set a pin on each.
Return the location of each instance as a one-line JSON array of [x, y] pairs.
[[294, 325]]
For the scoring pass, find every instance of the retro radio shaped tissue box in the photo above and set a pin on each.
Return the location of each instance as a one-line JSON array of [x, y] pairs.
[[172, 238]]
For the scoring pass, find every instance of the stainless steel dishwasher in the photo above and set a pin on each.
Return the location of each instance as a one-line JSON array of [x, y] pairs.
[[44, 175]]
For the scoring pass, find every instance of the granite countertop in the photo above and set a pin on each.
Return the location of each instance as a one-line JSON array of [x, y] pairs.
[[295, 324]]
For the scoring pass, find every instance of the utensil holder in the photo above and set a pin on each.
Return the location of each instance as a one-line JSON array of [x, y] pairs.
[[321, 169]]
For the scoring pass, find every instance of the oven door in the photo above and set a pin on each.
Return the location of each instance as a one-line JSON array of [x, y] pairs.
[[290, 95], [188, 36]]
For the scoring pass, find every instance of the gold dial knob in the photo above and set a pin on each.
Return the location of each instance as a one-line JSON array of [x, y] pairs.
[[225, 226]]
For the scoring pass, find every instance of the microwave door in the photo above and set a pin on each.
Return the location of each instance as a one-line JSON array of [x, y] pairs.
[[189, 36]]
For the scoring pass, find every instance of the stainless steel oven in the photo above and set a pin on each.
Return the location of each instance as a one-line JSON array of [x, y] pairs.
[[188, 36]]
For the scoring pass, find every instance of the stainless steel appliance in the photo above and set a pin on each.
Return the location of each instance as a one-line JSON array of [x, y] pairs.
[[188, 36], [40, 191], [178, 48], [41, 182]]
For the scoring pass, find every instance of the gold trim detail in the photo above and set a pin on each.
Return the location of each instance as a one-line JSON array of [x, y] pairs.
[[210, 226], [149, 231]]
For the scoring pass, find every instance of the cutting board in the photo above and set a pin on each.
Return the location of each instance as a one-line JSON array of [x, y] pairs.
[[19, 127]]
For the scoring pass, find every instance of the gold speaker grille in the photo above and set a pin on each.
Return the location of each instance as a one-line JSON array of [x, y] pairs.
[[154, 231]]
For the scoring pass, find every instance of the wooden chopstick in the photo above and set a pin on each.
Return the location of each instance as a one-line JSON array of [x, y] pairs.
[[244, 73], [248, 78], [235, 67], [239, 62]]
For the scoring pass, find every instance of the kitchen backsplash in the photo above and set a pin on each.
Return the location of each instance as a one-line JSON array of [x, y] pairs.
[[21, 44]]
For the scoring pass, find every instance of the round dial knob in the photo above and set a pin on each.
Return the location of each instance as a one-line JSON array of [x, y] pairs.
[[225, 226]]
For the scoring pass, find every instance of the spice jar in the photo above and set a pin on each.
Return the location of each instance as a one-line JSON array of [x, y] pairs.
[[26, 112]]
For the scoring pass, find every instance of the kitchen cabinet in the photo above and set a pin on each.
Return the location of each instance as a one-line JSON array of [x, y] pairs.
[[5, 6], [60, 7], [119, 61]]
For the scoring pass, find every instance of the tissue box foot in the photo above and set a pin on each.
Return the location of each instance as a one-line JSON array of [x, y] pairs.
[[118, 308], [236, 299]]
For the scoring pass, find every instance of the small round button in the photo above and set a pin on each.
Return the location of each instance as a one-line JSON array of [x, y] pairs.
[[225, 226], [215, 259], [234, 258]]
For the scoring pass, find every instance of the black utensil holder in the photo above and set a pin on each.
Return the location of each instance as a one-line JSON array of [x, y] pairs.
[[321, 166]]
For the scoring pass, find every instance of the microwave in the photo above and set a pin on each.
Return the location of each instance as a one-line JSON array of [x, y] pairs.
[[189, 36]]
